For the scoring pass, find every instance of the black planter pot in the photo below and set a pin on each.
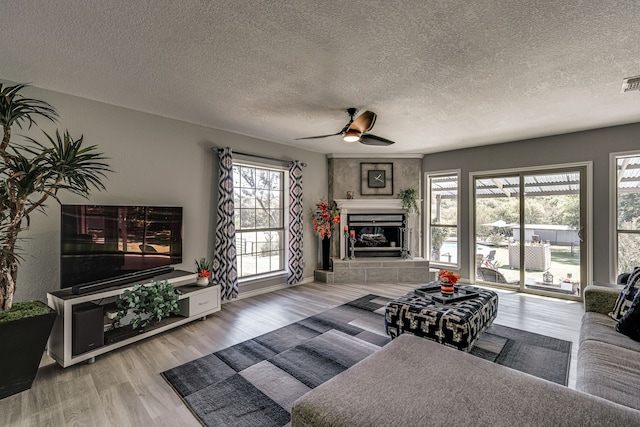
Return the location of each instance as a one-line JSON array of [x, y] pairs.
[[326, 250], [22, 344]]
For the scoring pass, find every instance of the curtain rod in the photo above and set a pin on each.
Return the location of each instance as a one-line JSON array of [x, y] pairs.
[[304, 165]]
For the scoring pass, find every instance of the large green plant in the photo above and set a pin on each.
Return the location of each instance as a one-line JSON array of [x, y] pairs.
[[32, 172], [148, 303]]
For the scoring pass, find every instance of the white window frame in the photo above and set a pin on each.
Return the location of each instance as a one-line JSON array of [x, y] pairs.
[[240, 160], [427, 219], [613, 211]]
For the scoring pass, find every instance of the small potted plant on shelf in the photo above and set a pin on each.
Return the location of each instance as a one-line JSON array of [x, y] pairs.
[[147, 303], [203, 268]]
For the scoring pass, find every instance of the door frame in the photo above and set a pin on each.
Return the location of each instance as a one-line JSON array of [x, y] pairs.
[[586, 199]]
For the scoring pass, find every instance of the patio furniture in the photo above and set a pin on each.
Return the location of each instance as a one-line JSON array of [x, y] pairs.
[[479, 259], [492, 275], [455, 324], [537, 257], [557, 286], [490, 260]]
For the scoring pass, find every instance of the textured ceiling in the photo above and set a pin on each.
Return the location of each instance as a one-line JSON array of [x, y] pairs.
[[440, 74]]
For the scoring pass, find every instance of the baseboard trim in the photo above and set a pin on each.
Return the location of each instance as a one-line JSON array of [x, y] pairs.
[[249, 294]]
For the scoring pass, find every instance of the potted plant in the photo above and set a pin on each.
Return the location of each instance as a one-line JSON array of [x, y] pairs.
[[32, 173], [409, 200], [147, 303], [203, 268], [448, 280], [24, 330], [325, 216]]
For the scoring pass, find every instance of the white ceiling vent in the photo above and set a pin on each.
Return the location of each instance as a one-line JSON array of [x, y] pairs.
[[630, 83]]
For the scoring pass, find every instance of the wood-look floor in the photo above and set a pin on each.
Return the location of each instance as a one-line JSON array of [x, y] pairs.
[[124, 388]]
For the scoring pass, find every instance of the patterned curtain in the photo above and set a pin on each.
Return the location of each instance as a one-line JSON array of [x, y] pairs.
[[295, 223], [224, 257]]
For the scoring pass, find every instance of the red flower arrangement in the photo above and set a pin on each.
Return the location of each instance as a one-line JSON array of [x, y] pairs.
[[446, 276], [325, 217], [203, 267], [447, 281]]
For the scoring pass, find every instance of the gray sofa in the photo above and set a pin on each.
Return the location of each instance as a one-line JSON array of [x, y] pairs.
[[608, 361], [414, 381]]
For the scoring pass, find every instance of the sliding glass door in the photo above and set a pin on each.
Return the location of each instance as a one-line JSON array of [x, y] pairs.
[[529, 230]]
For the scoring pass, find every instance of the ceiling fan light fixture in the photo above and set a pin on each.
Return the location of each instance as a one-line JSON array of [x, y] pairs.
[[351, 136]]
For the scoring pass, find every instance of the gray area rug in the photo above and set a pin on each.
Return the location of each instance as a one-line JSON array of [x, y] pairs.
[[255, 382]]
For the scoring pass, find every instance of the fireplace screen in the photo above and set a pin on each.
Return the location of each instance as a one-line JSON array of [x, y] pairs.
[[377, 235]]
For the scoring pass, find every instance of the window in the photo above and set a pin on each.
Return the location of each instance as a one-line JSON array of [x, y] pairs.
[[259, 219], [443, 218], [627, 207]]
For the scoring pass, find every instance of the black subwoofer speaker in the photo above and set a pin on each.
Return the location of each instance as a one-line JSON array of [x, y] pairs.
[[88, 327]]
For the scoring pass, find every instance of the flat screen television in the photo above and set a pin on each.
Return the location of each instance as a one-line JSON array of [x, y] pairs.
[[108, 243]]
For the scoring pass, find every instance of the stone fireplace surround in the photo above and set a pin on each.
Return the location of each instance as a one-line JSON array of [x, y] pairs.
[[345, 176], [378, 269]]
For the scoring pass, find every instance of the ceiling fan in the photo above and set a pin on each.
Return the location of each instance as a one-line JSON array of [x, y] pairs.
[[357, 128]]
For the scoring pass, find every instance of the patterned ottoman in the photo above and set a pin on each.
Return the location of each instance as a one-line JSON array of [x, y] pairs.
[[455, 324]]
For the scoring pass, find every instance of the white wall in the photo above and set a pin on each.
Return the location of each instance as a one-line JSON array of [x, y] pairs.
[[157, 161]]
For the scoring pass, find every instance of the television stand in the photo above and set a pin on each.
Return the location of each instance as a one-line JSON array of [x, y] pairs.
[[82, 328]]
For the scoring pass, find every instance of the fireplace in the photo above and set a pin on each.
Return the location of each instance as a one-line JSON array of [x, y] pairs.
[[375, 214], [377, 235]]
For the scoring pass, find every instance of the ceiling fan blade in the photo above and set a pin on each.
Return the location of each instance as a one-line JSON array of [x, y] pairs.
[[320, 136], [369, 139], [364, 122]]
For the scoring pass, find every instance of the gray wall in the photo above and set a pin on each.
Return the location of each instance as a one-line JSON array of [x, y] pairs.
[[344, 175], [156, 161], [594, 145]]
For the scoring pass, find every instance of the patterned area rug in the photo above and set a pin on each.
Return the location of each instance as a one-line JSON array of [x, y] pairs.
[[255, 383]]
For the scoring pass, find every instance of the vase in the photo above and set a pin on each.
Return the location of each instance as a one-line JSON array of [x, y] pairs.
[[446, 288], [326, 250], [202, 281]]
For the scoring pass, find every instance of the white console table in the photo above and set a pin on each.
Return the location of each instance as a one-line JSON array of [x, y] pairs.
[[195, 303]]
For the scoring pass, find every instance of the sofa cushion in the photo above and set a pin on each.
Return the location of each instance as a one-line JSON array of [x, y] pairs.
[[600, 327], [417, 382], [629, 324], [623, 278], [610, 372], [628, 293], [601, 299]]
